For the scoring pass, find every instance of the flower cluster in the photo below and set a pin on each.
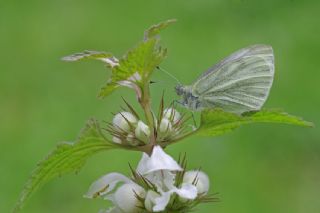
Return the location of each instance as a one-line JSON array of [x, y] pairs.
[[128, 129], [158, 184]]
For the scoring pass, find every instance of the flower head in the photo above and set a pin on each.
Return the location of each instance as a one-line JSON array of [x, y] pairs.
[[154, 184]]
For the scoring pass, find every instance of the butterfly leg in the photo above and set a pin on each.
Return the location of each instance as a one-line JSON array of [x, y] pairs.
[[192, 113], [194, 120]]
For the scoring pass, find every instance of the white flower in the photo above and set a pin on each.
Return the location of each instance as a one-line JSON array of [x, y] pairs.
[[158, 161], [123, 121], [104, 185], [171, 114], [199, 179], [142, 132], [125, 197], [159, 169]]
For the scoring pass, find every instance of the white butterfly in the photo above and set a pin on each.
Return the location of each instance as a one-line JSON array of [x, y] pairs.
[[238, 83]]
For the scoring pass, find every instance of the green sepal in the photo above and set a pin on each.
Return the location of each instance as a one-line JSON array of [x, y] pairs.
[[67, 157]]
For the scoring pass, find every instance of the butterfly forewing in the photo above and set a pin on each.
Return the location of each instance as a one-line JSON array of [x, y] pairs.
[[239, 83]]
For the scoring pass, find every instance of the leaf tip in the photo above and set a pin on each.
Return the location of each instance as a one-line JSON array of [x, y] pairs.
[[154, 30]]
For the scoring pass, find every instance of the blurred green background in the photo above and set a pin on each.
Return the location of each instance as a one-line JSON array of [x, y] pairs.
[[259, 168]]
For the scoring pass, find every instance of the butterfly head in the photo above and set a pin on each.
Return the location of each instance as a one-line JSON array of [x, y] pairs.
[[180, 90]]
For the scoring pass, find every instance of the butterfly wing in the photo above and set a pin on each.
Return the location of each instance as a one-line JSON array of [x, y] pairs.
[[239, 83]]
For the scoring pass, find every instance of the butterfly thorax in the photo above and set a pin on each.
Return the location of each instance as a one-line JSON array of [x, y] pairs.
[[189, 100]]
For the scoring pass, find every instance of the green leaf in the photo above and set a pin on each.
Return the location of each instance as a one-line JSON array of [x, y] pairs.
[[67, 157], [157, 28], [218, 122], [137, 65], [107, 89]]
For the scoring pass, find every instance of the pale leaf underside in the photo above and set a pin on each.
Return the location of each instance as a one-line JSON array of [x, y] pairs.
[[88, 54]]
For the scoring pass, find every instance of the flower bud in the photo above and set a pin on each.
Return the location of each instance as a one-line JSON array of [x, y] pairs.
[[116, 140], [125, 197], [142, 132], [171, 114], [165, 126], [131, 139], [199, 179], [123, 120]]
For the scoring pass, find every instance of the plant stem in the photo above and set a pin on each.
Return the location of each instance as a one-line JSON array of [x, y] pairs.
[[145, 103]]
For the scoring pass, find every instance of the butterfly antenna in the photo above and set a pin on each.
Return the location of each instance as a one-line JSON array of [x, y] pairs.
[[169, 74]]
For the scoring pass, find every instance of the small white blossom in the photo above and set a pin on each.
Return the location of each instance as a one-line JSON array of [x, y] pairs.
[[106, 184], [200, 180], [123, 120], [142, 132], [171, 114], [159, 169], [125, 197], [158, 160]]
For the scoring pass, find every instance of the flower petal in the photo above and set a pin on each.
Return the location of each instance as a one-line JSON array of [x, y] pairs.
[[106, 184], [158, 160], [198, 179], [187, 191], [150, 201], [126, 197], [164, 180], [162, 202]]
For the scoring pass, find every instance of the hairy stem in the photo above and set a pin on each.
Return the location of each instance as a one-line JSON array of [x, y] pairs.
[[145, 103]]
